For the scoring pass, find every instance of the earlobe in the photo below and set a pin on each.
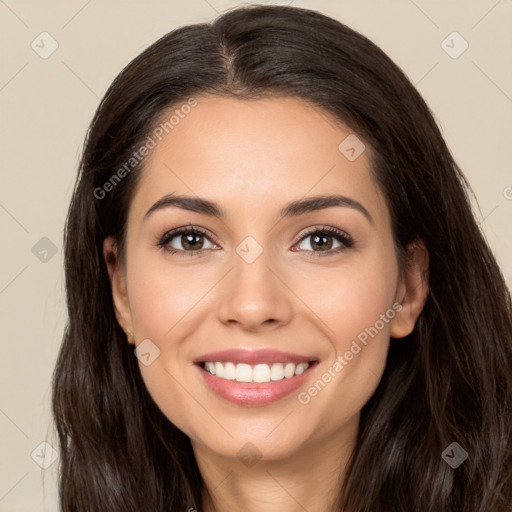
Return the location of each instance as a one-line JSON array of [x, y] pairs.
[[412, 291], [118, 286]]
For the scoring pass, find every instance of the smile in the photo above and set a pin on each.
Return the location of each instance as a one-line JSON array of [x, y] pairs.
[[254, 377]]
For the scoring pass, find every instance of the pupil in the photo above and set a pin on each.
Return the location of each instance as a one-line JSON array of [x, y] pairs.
[[324, 245], [188, 239]]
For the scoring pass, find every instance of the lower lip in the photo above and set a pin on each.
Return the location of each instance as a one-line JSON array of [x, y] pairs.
[[254, 393]]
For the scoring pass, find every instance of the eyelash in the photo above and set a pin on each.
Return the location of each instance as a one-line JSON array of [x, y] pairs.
[[342, 237]]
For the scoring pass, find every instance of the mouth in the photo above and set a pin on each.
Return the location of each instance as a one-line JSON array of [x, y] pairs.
[[254, 378]]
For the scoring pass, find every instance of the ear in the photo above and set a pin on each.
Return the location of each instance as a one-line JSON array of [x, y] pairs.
[[117, 277], [412, 289]]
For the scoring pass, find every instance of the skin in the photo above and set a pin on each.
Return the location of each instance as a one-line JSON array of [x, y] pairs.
[[253, 157]]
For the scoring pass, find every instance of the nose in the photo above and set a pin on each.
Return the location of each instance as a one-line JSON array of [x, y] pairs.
[[255, 295]]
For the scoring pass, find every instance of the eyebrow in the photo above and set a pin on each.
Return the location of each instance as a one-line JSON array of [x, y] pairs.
[[292, 209]]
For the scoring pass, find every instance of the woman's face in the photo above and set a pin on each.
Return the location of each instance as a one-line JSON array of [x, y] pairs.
[[273, 270]]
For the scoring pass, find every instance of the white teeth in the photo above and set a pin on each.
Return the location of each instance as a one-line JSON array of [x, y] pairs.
[[301, 367], [277, 371], [261, 373], [258, 373], [243, 373], [219, 370], [289, 370], [229, 371]]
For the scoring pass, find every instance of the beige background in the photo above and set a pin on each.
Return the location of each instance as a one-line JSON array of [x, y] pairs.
[[47, 104]]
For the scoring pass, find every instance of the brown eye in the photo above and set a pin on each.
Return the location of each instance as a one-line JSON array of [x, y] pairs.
[[323, 241], [185, 241]]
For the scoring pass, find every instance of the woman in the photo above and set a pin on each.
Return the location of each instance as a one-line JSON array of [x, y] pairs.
[[278, 295]]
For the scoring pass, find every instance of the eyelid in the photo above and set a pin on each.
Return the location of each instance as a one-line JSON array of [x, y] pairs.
[[324, 229]]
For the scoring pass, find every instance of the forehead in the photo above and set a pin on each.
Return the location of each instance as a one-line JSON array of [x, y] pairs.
[[248, 154]]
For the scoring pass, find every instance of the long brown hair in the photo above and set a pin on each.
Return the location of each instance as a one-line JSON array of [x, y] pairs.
[[449, 381]]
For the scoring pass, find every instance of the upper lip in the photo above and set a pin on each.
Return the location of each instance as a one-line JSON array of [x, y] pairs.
[[253, 357]]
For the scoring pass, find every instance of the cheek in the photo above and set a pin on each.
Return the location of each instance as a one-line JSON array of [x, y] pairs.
[[357, 306], [163, 295], [353, 299]]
